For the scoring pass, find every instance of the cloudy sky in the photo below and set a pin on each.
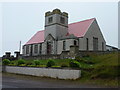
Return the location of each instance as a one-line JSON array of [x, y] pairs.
[[20, 21]]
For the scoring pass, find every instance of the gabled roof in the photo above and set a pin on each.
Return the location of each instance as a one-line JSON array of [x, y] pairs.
[[37, 38], [78, 29]]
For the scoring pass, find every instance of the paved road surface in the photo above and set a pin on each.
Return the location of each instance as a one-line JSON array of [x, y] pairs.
[[21, 81]]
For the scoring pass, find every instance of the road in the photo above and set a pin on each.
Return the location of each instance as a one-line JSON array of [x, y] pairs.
[[22, 81]]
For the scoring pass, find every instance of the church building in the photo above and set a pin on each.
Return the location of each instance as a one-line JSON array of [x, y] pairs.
[[58, 36]]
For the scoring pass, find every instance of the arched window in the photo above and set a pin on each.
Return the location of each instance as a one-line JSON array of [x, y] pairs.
[[87, 44], [64, 45]]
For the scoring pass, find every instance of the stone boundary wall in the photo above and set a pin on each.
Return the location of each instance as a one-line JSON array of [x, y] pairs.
[[66, 54], [41, 57], [45, 72]]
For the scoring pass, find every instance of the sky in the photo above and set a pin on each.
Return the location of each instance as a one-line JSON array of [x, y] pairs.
[[21, 20]]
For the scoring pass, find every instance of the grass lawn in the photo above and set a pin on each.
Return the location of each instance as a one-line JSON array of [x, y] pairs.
[[104, 70]]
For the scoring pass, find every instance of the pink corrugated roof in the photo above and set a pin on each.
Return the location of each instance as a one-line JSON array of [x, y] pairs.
[[37, 38], [78, 29]]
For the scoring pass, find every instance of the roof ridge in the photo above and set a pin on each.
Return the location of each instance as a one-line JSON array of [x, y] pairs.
[[83, 21], [40, 31]]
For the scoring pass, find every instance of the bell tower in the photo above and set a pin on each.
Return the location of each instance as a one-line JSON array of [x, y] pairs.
[[56, 23]]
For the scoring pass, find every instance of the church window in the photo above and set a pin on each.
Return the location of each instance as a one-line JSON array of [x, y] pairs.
[[31, 50], [50, 19], [64, 45], [62, 20], [87, 44], [35, 48], [40, 48], [95, 44], [75, 42], [27, 49]]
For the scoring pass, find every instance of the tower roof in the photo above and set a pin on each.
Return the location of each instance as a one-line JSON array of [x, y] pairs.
[[79, 29]]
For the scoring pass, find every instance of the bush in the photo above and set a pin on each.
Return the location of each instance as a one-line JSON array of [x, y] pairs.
[[74, 64], [37, 62], [12, 63], [22, 65], [21, 61], [64, 65], [6, 61], [50, 63], [29, 63], [56, 66], [41, 65], [77, 58]]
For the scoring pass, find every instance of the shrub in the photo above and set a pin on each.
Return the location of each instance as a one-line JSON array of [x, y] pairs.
[[77, 58], [29, 63], [50, 63], [22, 65], [41, 65], [6, 61], [64, 65], [21, 61], [37, 62], [74, 64], [12, 63], [56, 66]]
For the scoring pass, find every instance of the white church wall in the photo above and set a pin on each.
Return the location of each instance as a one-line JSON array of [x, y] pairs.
[[94, 31], [81, 44], [69, 42], [43, 48], [59, 46], [24, 50]]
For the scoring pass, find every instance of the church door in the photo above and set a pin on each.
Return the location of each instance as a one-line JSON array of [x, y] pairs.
[[48, 47]]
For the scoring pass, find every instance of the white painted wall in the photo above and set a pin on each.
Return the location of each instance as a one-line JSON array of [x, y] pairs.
[[69, 42], [48, 72], [93, 31]]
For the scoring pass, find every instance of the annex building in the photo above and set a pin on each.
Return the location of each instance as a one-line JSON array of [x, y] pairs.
[[58, 36]]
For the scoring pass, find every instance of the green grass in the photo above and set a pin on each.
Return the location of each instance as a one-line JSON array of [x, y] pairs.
[[104, 70]]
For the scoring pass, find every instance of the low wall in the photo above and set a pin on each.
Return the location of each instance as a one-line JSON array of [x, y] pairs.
[[41, 57], [45, 72]]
